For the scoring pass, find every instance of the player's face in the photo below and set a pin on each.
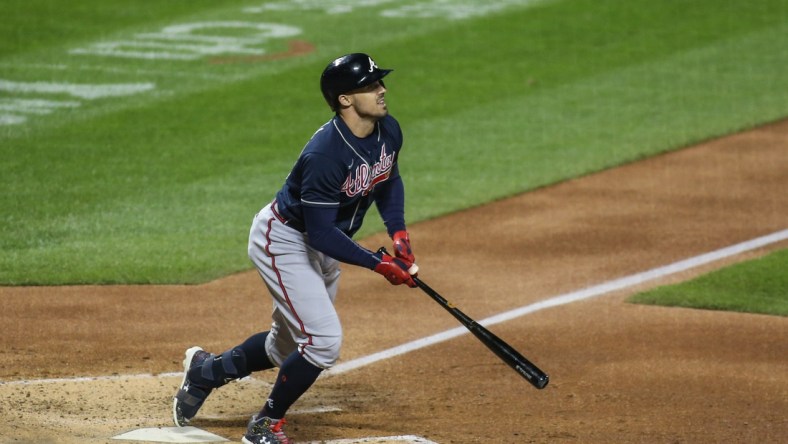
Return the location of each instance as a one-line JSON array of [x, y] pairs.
[[369, 101]]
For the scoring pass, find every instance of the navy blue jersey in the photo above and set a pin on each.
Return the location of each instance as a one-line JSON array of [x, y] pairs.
[[338, 170], [336, 179]]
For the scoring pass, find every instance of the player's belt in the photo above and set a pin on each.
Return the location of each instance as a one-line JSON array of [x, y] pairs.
[[294, 224]]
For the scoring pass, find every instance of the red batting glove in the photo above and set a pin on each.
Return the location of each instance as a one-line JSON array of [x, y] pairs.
[[402, 247], [394, 269]]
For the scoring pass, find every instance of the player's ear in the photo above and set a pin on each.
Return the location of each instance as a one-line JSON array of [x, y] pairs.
[[344, 100]]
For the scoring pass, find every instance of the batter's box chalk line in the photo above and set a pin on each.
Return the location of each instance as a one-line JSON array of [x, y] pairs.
[[195, 435]]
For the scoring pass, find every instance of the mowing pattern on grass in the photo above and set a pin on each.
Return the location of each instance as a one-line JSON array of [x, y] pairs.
[[138, 143]]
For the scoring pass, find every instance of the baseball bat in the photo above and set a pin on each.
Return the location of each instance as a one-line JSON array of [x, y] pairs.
[[506, 352]]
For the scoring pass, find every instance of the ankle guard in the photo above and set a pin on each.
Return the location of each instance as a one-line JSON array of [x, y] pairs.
[[218, 370]]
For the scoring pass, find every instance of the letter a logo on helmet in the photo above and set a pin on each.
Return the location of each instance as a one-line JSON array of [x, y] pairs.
[[348, 73]]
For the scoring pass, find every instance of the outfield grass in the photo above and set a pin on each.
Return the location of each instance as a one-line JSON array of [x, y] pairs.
[[158, 183], [757, 286]]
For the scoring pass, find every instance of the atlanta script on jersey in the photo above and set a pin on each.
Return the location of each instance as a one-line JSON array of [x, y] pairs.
[[337, 169]]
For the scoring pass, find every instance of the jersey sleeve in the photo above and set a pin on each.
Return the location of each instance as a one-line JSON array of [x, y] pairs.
[[390, 196], [325, 237], [390, 200], [321, 181]]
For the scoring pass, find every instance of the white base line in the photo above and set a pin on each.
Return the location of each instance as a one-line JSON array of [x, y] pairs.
[[567, 298]]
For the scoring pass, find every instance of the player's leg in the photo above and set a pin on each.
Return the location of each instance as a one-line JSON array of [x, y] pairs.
[[205, 371], [306, 328], [303, 285], [297, 373]]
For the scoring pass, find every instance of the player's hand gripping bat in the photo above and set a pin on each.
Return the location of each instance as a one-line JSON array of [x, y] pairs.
[[506, 352]]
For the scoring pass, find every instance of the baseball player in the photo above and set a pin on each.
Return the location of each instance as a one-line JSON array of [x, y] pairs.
[[298, 241]]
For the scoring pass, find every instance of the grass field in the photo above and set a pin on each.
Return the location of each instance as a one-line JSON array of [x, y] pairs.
[[139, 138], [758, 286]]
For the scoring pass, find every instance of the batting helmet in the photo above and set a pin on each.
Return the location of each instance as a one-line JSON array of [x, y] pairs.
[[347, 73]]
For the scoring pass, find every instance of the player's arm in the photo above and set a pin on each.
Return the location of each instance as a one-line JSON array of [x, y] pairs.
[[322, 179], [390, 200], [325, 237]]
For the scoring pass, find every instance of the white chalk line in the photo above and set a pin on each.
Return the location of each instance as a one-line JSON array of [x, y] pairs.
[[567, 298], [291, 412]]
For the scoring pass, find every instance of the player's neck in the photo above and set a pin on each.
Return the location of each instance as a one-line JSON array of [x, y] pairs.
[[360, 127]]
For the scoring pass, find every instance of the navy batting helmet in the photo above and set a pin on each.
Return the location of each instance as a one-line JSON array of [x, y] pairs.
[[347, 73]]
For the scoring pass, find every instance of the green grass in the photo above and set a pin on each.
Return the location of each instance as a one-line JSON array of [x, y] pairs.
[[757, 286], [160, 187]]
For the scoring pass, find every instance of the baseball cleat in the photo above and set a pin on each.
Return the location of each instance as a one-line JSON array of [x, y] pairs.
[[190, 397], [265, 431]]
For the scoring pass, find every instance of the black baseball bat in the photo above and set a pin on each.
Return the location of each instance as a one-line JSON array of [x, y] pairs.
[[506, 352]]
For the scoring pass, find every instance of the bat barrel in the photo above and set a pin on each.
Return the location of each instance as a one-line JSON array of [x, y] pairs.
[[533, 374]]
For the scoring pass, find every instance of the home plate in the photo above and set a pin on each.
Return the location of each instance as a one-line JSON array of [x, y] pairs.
[[170, 434]]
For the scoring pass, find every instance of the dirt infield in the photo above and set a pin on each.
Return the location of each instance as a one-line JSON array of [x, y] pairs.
[[619, 372]]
